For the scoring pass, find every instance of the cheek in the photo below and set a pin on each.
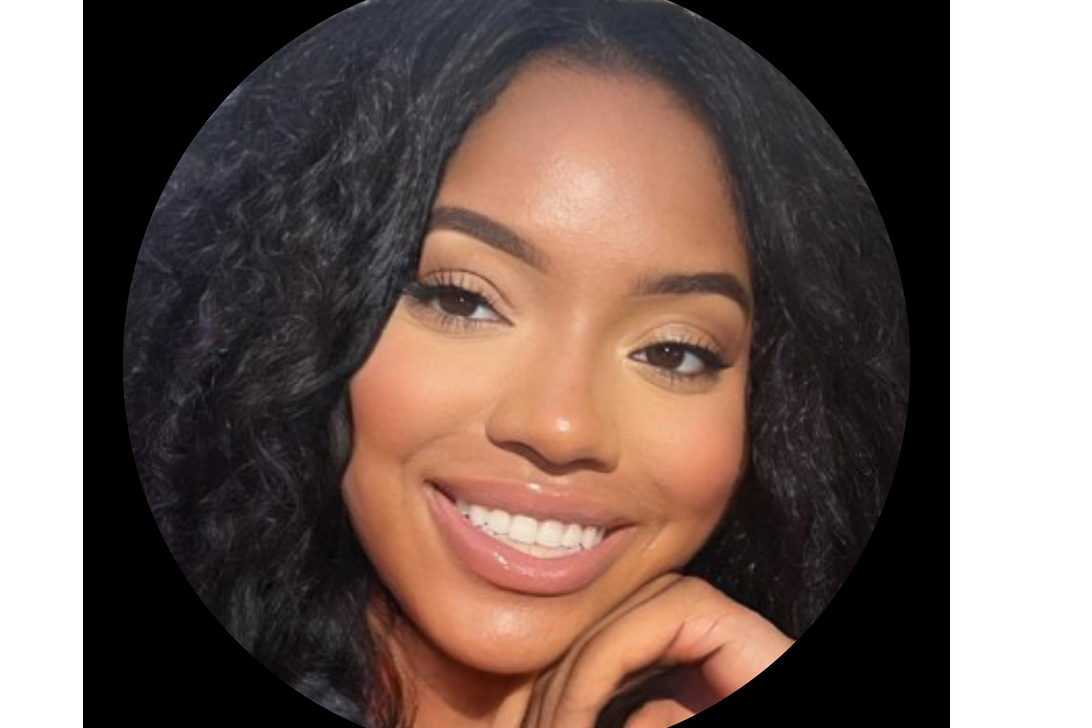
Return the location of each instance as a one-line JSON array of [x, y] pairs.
[[413, 391], [695, 455], [396, 410], [404, 397]]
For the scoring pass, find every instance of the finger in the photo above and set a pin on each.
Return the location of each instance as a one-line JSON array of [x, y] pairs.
[[647, 592], [628, 644], [659, 714], [547, 692], [690, 622]]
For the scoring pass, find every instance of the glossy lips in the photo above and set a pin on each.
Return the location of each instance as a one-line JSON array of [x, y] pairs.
[[513, 563]]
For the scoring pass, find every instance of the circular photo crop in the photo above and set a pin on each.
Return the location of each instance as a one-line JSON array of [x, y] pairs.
[[516, 363]]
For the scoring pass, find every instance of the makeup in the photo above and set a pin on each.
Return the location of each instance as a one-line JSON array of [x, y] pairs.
[[507, 567], [555, 413]]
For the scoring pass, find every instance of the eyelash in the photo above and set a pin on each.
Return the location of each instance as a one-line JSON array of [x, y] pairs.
[[425, 294], [712, 362]]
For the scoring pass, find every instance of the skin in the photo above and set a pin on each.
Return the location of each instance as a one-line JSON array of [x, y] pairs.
[[610, 178]]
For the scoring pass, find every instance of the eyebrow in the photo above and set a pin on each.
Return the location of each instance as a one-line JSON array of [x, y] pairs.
[[495, 235], [721, 284], [488, 231]]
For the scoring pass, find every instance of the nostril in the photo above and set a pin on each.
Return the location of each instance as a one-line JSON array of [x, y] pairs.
[[558, 428], [555, 466]]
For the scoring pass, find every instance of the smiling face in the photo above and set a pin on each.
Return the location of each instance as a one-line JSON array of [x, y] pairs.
[[570, 369]]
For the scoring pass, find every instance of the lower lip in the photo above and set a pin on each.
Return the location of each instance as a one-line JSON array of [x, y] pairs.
[[507, 568]]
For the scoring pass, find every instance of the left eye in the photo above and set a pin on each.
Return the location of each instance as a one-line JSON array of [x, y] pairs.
[[680, 359]]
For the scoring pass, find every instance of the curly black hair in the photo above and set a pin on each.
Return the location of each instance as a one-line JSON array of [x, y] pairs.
[[288, 231]]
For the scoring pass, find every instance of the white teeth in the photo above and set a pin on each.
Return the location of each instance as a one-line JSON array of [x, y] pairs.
[[523, 529], [498, 522], [543, 539], [591, 537], [549, 534], [573, 534]]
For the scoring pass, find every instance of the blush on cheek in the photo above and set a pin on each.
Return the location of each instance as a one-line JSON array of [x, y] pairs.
[[419, 383], [698, 462], [402, 397]]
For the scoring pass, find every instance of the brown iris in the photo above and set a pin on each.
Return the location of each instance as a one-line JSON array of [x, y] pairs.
[[668, 356], [458, 302]]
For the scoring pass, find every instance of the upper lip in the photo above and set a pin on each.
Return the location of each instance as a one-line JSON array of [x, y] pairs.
[[539, 500]]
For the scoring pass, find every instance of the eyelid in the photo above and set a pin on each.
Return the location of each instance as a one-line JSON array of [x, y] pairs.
[[708, 352], [458, 278], [423, 291], [426, 289]]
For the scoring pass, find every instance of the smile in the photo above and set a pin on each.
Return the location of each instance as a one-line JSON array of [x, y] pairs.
[[518, 552], [543, 539]]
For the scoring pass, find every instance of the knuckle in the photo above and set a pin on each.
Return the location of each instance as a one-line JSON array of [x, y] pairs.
[[697, 588]]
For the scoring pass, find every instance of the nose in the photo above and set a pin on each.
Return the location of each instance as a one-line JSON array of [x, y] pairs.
[[557, 411]]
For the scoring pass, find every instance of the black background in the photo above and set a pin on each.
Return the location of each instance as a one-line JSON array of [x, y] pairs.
[[155, 75]]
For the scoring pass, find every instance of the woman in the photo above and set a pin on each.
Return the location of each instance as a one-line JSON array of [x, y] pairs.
[[516, 364]]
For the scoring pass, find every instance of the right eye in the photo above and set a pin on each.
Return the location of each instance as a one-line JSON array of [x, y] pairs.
[[455, 301], [452, 304]]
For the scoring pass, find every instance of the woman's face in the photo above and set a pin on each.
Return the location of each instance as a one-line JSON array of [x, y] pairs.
[[555, 413]]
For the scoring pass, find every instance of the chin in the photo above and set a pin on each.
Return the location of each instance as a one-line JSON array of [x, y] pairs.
[[506, 660], [502, 640]]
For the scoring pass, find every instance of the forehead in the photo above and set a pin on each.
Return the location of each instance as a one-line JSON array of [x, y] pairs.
[[601, 168]]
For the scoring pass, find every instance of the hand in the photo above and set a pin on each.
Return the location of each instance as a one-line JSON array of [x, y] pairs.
[[692, 644]]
